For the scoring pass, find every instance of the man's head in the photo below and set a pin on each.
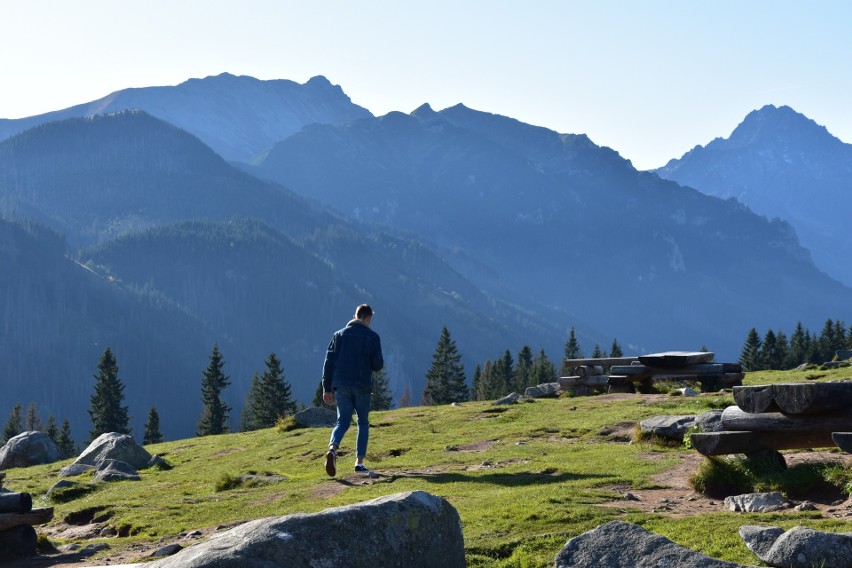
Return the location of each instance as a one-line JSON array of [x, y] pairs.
[[364, 313]]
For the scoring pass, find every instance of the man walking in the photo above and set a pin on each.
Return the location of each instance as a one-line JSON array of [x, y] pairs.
[[347, 375]]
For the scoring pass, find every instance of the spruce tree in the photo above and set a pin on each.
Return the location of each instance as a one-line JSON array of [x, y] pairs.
[[522, 376], [214, 412], [500, 376], [798, 353], [405, 397], [269, 397], [750, 357], [52, 430], [572, 350], [107, 414], [381, 398], [33, 422], [615, 349], [445, 380], [477, 385], [67, 447], [152, 428], [543, 370], [14, 425], [597, 353], [770, 356]]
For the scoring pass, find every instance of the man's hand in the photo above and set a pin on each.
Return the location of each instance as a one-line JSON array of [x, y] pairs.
[[327, 397]]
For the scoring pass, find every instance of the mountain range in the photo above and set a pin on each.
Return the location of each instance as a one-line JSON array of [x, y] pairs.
[[782, 164], [257, 214]]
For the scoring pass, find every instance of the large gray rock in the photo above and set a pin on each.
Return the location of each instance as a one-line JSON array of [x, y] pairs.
[[802, 547], [511, 398], [316, 417], [760, 539], [757, 502], [544, 390], [116, 470], [109, 446], [406, 530], [623, 545], [673, 427], [28, 448]]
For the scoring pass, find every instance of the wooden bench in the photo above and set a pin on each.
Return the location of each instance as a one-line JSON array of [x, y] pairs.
[[770, 418], [628, 373]]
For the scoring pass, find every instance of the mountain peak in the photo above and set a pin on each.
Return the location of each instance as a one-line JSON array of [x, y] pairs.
[[771, 123]]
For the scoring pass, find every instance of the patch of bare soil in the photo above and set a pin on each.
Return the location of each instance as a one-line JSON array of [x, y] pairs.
[[677, 499]]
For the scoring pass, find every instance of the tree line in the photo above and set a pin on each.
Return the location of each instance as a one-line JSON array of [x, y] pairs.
[[775, 351], [446, 382]]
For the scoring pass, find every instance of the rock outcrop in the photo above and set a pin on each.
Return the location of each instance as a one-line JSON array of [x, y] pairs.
[[410, 530], [28, 448], [623, 545]]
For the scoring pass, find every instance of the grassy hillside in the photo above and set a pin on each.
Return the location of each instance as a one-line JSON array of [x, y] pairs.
[[524, 478]]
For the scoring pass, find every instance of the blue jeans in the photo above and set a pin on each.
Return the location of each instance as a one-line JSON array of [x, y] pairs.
[[349, 400]]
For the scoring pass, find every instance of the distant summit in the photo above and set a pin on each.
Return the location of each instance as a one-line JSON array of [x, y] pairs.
[[237, 116], [781, 164]]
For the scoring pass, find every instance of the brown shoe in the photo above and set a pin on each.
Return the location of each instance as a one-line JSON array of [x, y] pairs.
[[331, 462]]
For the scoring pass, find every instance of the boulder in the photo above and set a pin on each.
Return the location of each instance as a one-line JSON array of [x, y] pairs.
[[411, 530], [545, 390], [757, 502], [710, 421], [116, 470], [673, 427], [316, 417], [802, 547], [111, 446], [74, 469], [760, 539], [512, 398], [28, 448], [623, 545]]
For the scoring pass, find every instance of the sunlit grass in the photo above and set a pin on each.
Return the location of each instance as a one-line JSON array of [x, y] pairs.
[[524, 478]]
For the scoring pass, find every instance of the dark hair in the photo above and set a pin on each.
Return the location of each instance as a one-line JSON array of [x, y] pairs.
[[363, 311]]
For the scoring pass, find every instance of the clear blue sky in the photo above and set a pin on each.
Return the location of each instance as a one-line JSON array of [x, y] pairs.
[[648, 78]]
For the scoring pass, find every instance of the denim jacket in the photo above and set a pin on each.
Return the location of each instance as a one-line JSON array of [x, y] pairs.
[[353, 354]]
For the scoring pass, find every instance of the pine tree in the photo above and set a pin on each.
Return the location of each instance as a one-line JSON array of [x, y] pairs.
[[107, 414], [445, 380], [14, 425], [67, 447], [33, 422], [214, 412], [543, 370], [615, 349], [381, 398], [597, 353], [572, 351], [152, 428], [269, 397], [798, 353], [476, 384], [500, 376], [522, 376], [405, 397], [750, 356], [770, 356], [783, 348], [52, 429]]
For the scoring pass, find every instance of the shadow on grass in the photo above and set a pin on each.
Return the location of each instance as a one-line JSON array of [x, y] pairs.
[[505, 479]]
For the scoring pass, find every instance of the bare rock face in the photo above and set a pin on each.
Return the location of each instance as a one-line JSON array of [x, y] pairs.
[[316, 417], [109, 446], [28, 448], [673, 427], [406, 530], [623, 545], [757, 502]]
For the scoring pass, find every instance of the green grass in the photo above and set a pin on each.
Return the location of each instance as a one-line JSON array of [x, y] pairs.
[[524, 478]]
